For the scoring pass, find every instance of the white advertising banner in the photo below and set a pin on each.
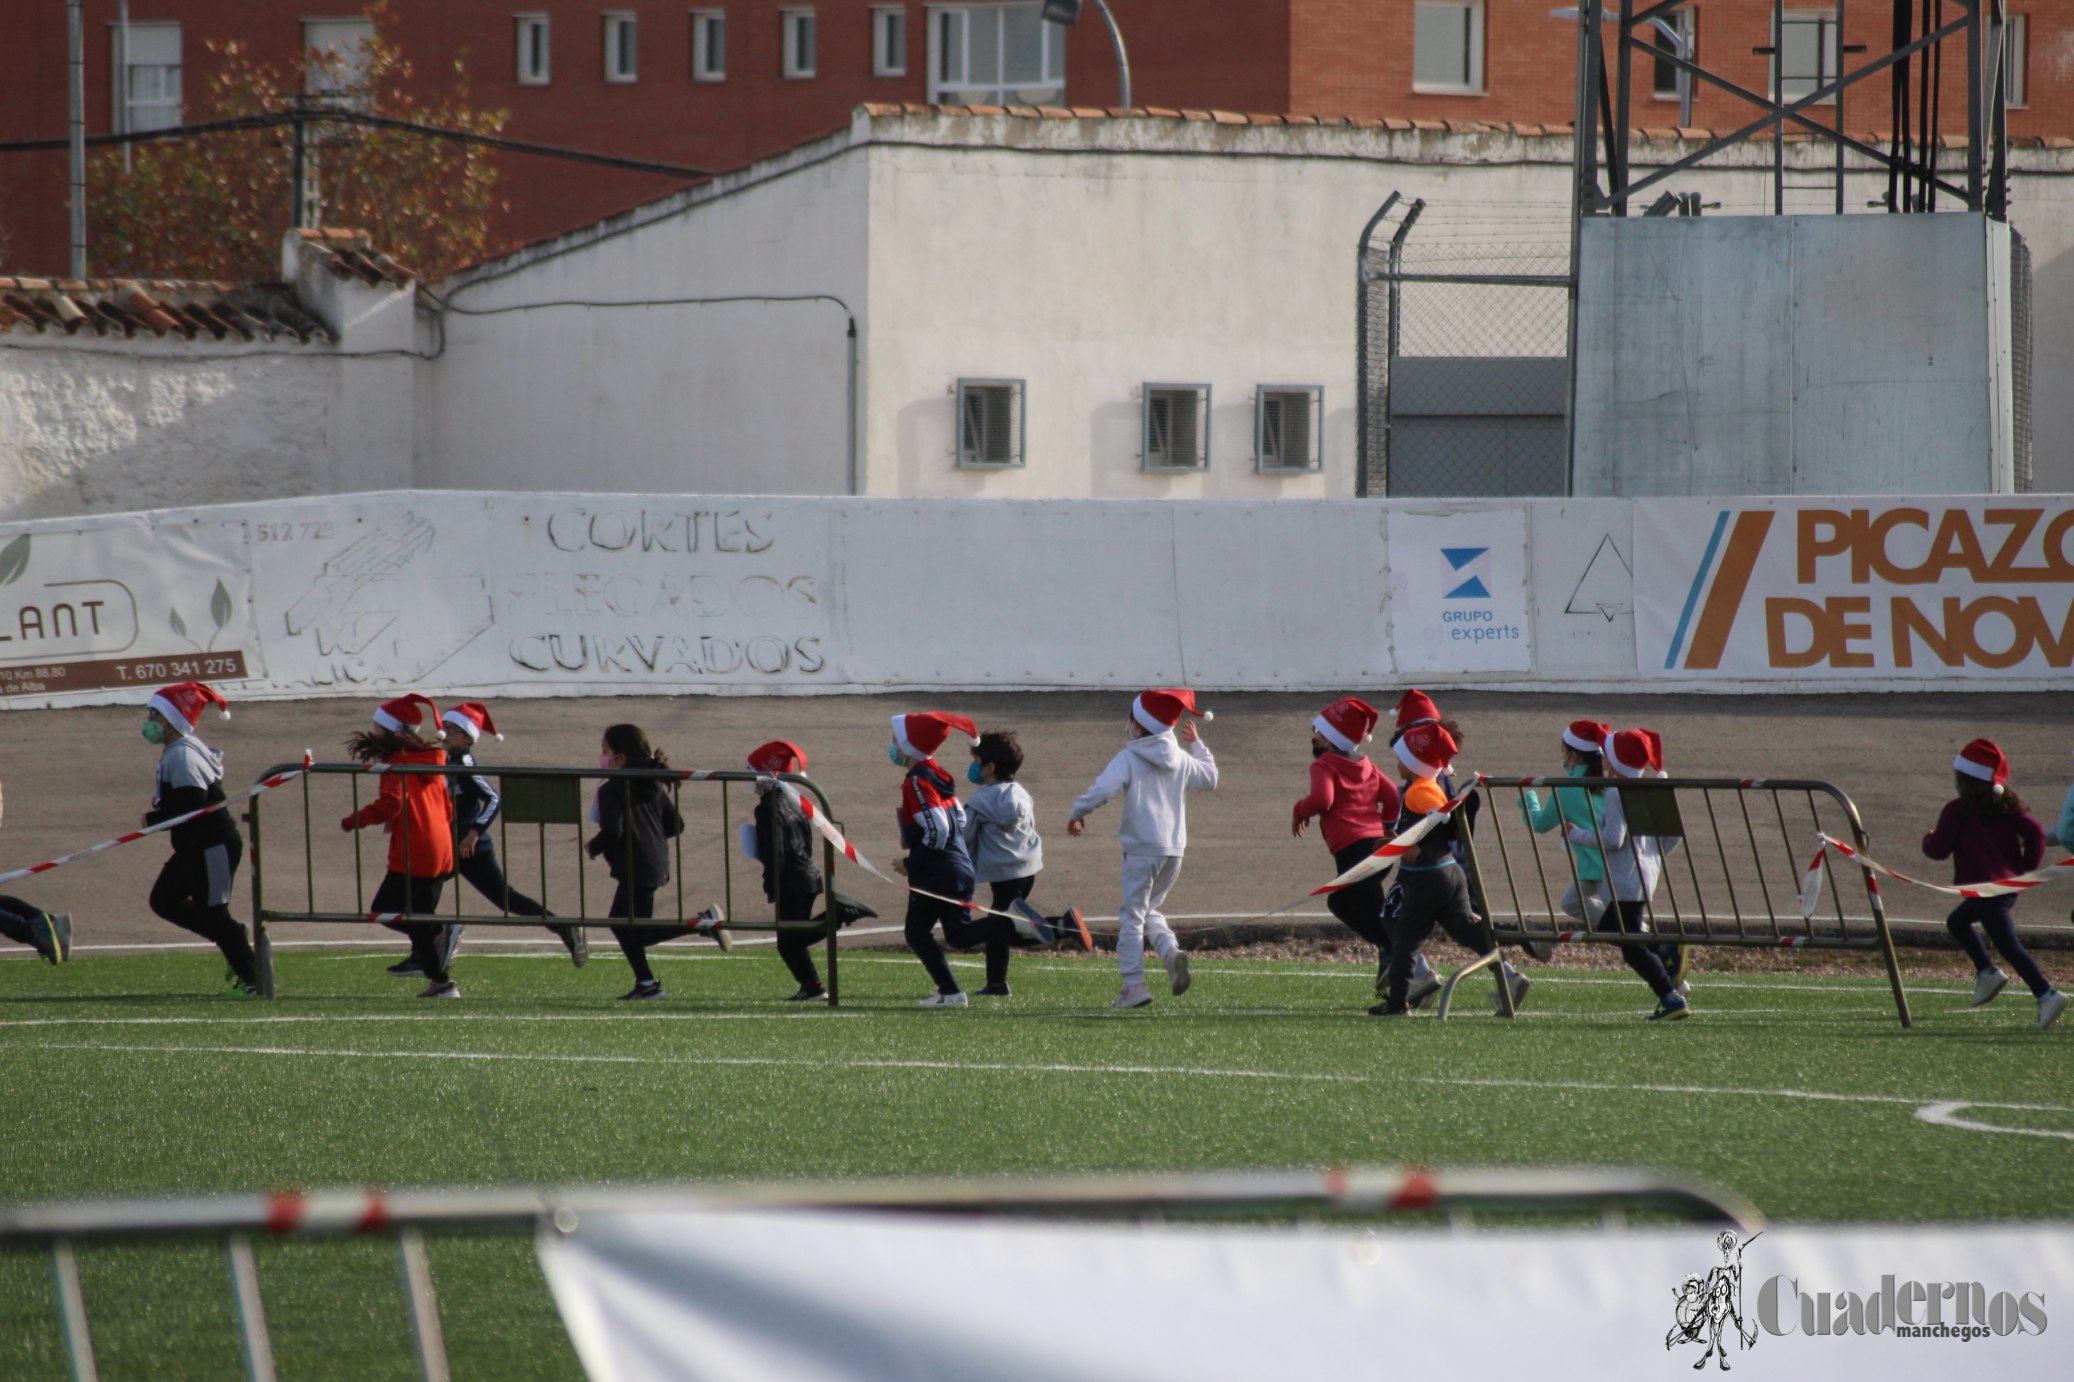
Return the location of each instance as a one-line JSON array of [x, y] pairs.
[[816, 1296], [1814, 590], [1458, 591], [136, 604]]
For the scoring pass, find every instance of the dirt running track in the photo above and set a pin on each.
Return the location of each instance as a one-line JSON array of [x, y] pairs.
[[73, 777]]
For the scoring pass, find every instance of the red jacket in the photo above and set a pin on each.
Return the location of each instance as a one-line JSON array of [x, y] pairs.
[[1356, 800], [420, 802]]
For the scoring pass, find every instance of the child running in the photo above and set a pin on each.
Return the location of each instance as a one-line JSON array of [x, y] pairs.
[[1007, 852], [1633, 865], [476, 804], [792, 881], [418, 815], [1585, 896], [636, 821], [193, 889], [1435, 888], [49, 934], [1163, 759], [1988, 834], [932, 831], [1355, 805]]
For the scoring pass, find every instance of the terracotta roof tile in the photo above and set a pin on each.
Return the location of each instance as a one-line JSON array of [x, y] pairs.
[[165, 308], [350, 254]]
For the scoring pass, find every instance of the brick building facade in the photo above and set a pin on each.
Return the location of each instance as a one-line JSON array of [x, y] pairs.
[[717, 83]]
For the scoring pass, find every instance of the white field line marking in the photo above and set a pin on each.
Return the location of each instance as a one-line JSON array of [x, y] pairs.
[[1939, 1112], [796, 1012]]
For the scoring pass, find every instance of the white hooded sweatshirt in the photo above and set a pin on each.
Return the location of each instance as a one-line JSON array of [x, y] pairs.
[[1155, 774]]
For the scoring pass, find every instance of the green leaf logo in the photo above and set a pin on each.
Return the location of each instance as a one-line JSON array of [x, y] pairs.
[[179, 624], [219, 606], [14, 559]]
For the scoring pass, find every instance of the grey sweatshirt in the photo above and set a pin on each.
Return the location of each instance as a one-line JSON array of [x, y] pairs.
[[1001, 833]]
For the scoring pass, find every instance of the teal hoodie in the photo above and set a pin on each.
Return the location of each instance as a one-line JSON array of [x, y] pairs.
[[1567, 806]]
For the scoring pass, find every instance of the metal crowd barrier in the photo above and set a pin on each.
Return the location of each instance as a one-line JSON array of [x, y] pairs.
[[537, 797], [1733, 877], [407, 1216]]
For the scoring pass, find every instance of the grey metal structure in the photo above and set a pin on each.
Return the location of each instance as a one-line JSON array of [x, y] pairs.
[[1913, 63]]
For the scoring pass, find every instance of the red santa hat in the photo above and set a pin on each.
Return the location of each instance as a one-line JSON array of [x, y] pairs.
[[472, 718], [182, 705], [1347, 724], [411, 714], [1586, 736], [1159, 711], [1415, 707], [1633, 752], [921, 734], [778, 756], [1984, 760], [1426, 749]]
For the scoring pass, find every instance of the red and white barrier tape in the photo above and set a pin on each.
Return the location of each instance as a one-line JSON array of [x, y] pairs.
[[1384, 857], [265, 785], [1811, 882]]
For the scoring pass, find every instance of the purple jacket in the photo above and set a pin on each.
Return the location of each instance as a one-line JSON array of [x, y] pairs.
[[1985, 848]]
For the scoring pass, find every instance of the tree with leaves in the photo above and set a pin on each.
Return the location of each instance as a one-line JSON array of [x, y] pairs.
[[216, 206]]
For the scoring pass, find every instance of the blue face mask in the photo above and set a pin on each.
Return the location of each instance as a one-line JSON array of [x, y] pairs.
[[976, 775], [893, 756]]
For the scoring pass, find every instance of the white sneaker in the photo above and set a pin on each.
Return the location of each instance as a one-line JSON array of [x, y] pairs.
[[1519, 984], [1986, 985], [944, 1000], [1133, 996], [2050, 1007], [1177, 972], [1685, 988], [708, 923], [1422, 990]]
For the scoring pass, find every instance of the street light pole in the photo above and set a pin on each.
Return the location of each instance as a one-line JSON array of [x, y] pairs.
[[1066, 13]]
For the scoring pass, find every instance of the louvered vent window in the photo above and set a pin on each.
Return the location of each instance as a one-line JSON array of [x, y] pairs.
[[1177, 426], [1285, 426], [990, 423]]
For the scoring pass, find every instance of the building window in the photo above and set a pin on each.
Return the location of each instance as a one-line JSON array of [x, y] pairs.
[[1685, 23], [798, 26], [990, 424], [532, 49], [1177, 427], [1806, 60], [2016, 46], [995, 55], [1447, 47], [147, 81], [1285, 426], [336, 60], [708, 45], [622, 47], [889, 41]]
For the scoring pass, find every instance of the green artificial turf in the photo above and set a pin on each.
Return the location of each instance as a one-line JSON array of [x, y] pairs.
[[121, 1077]]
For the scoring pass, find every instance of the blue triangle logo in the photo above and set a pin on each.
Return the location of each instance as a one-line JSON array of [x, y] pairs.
[[1471, 589], [1459, 557]]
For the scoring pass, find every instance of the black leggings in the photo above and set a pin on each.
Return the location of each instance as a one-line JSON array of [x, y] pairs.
[[1360, 906], [1645, 960], [635, 904], [193, 892], [483, 872], [1997, 917], [961, 929], [15, 918], [1432, 897], [418, 897]]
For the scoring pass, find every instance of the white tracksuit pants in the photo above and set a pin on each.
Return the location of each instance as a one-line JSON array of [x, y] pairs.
[[1147, 879]]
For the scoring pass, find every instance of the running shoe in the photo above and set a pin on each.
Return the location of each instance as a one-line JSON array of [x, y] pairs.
[[1178, 978], [1986, 985]]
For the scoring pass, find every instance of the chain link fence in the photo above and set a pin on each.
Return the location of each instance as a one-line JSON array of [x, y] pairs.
[[1464, 352]]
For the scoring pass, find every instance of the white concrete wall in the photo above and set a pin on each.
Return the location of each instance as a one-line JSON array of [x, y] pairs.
[[539, 384], [598, 594], [1792, 355]]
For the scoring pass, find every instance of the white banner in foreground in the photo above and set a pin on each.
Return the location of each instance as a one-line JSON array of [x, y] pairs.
[[806, 1295]]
